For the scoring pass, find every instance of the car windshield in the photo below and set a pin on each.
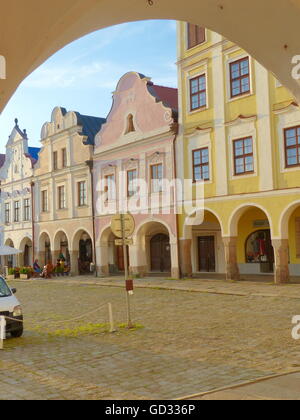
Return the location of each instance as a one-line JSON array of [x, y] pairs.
[[4, 289]]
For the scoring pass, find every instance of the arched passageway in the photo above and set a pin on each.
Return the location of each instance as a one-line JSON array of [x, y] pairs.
[[112, 259], [61, 250], [82, 254], [251, 226], [26, 258], [202, 249], [45, 254], [154, 251], [274, 43]]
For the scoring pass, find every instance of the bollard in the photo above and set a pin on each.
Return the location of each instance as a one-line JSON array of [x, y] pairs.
[[111, 319], [2, 331]]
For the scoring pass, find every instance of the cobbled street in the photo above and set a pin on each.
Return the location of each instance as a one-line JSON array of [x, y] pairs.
[[184, 343]]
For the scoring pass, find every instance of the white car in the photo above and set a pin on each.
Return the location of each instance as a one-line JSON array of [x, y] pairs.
[[10, 307]]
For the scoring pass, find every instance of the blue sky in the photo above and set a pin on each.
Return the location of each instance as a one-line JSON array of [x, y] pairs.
[[83, 75]]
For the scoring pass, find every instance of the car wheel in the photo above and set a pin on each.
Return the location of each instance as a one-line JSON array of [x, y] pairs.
[[17, 333]]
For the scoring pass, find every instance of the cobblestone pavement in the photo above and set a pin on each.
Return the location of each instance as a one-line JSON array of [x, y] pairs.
[[186, 342]]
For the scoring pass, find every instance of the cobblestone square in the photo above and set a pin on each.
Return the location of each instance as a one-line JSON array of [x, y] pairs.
[[185, 343]]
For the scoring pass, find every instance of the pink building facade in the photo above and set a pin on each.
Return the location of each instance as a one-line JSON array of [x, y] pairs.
[[134, 166]]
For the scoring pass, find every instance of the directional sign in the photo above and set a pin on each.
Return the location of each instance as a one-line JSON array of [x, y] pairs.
[[128, 222]]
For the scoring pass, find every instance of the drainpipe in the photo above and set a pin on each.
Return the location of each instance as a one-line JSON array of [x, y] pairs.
[[90, 164], [32, 185], [174, 129]]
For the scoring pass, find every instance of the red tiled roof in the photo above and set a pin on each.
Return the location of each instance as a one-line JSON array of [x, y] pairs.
[[166, 94]]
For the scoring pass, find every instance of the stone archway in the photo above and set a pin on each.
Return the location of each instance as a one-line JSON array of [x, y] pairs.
[[57, 23], [155, 250], [62, 249], [26, 258], [82, 253], [45, 253], [251, 235]]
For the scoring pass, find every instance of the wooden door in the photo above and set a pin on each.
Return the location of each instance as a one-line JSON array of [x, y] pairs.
[[207, 256], [160, 251]]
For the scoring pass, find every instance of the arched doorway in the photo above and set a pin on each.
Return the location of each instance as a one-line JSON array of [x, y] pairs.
[[10, 260], [61, 248], [202, 250], [26, 258], [154, 252], [252, 227], [45, 254], [85, 253], [111, 255], [160, 254]]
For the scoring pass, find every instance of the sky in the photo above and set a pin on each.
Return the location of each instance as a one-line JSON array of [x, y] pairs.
[[82, 76]]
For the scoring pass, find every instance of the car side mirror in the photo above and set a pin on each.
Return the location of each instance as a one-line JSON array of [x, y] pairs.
[[14, 291]]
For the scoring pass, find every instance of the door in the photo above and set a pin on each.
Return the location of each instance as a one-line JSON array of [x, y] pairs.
[[160, 254], [120, 258], [26, 256], [207, 256]]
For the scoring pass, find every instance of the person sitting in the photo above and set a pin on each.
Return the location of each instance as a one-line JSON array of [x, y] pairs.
[[48, 270], [36, 268]]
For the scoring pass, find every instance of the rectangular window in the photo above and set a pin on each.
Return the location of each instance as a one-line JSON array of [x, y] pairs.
[[55, 162], [82, 196], [61, 198], [292, 146], [240, 77], [201, 164], [157, 178], [132, 183], [110, 186], [44, 201], [27, 210], [7, 212], [17, 211], [196, 35], [198, 92], [243, 156], [64, 158]]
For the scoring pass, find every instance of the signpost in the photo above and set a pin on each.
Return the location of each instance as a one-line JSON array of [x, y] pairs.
[[123, 226]]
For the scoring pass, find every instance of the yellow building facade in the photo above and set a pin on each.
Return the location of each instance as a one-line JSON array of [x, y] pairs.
[[240, 137]]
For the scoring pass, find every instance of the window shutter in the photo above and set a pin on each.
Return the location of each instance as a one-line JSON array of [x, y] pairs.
[[196, 35]]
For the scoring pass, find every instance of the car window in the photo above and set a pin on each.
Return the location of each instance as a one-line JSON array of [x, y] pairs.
[[4, 289]]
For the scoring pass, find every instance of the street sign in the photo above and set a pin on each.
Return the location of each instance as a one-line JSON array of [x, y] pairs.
[[128, 225], [126, 242]]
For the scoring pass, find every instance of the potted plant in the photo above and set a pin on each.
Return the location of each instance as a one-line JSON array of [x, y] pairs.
[[25, 273], [11, 274]]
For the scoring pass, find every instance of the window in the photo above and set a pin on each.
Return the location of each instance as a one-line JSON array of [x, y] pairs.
[[7, 213], [82, 197], [55, 166], [201, 164], [198, 92], [243, 156], [292, 146], [61, 198], [240, 77], [17, 211], [132, 183], [110, 187], [156, 178], [196, 35], [64, 158], [130, 124], [26, 209], [44, 201]]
